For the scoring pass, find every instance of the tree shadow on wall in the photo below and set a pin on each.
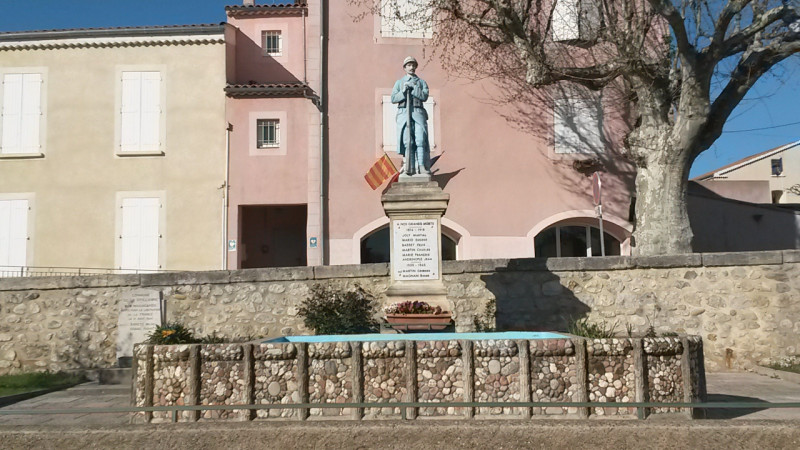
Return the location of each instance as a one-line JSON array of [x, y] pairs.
[[531, 298]]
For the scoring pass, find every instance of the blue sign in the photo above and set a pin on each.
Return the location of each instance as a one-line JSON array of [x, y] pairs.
[[312, 242]]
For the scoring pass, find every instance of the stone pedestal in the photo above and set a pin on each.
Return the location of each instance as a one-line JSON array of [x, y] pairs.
[[415, 207]]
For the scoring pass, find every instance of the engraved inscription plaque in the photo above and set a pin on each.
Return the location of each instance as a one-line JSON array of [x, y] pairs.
[[415, 255]]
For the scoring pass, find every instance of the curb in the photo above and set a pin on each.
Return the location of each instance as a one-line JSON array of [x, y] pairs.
[[780, 374], [11, 399]]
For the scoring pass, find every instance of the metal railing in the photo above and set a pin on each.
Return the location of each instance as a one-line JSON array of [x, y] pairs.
[[52, 271], [405, 406]]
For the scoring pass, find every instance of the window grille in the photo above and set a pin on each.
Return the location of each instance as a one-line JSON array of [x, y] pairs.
[[273, 44], [269, 133]]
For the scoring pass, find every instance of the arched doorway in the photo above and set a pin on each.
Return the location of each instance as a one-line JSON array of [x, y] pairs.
[[375, 247], [573, 240]]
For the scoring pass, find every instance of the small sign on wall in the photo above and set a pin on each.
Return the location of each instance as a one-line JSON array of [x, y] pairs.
[[231, 245], [312, 242]]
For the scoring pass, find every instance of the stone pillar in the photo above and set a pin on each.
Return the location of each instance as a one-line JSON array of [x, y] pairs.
[[194, 381], [468, 376], [582, 375], [415, 210], [302, 378], [248, 365], [524, 375], [358, 379], [148, 383], [411, 377], [640, 377]]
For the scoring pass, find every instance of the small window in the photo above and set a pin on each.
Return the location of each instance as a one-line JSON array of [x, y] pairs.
[[273, 44], [777, 166], [269, 133]]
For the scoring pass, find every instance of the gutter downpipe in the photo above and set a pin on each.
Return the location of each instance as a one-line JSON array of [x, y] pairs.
[[226, 189], [322, 77]]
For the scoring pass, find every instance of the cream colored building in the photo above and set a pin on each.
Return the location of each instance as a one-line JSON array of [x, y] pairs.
[[773, 176], [113, 148]]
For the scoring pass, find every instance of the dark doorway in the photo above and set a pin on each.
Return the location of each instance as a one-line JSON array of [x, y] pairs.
[[272, 236]]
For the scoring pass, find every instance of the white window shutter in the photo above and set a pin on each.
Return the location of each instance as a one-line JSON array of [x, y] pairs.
[[31, 112], [577, 125], [130, 120], [429, 104], [389, 124], [140, 235], [19, 233], [564, 22], [148, 247], [12, 113], [13, 232], [151, 111], [131, 230]]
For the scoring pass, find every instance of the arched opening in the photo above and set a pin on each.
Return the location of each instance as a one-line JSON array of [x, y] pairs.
[[571, 240], [375, 247]]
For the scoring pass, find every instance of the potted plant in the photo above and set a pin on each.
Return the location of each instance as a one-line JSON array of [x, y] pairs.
[[416, 316]]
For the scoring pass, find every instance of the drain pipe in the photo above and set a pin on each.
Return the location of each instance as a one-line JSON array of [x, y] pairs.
[[322, 78], [226, 189]]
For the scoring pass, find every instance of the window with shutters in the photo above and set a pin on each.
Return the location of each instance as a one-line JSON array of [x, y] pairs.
[[406, 19], [575, 21], [13, 233], [389, 121], [22, 115], [578, 124], [139, 234], [140, 112]]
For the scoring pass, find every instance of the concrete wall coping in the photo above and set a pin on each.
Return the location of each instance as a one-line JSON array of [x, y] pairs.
[[355, 271]]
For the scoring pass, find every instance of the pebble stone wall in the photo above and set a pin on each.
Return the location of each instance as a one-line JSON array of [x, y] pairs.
[[571, 369], [745, 306]]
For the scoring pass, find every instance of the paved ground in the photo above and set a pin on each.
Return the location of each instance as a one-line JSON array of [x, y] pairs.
[[722, 387]]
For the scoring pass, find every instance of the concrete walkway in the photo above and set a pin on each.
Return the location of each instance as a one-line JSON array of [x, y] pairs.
[[722, 387]]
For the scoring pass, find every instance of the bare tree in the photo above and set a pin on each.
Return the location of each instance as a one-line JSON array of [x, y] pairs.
[[681, 66]]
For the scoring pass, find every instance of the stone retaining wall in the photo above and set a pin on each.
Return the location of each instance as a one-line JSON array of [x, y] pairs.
[[746, 306], [553, 370]]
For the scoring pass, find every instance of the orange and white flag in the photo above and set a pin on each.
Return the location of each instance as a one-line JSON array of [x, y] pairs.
[[382, 170]]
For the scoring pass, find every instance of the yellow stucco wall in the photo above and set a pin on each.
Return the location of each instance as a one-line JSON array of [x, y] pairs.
[[762, 170], [74, 215]]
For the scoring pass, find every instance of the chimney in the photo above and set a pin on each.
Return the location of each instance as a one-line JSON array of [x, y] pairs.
[[248, 2]]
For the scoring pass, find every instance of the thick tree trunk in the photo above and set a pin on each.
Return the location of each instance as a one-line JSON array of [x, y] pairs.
[[662, 221]]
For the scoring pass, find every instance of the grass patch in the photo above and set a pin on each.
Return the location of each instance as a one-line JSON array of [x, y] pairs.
[[27, 382]]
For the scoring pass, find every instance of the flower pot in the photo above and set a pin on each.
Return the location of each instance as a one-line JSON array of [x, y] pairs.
[[419, 322]]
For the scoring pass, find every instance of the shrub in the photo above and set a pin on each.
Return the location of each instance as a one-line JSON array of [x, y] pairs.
[[332, 310], [171, 334], [601, 330], [487, 322], [410, 307]]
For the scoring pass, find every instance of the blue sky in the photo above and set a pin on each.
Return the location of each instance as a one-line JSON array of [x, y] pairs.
[[772, 103]]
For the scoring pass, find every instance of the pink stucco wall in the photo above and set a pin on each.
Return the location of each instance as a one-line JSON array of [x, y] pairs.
[[503, 181], [253, 65]]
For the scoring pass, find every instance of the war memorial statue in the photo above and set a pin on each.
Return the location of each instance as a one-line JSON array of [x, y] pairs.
[[410, 93]]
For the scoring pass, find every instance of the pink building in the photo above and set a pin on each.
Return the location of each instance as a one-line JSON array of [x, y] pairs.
[[297, 189]]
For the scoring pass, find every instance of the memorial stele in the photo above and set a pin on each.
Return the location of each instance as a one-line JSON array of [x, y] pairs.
[[415, 206], [140, 312]]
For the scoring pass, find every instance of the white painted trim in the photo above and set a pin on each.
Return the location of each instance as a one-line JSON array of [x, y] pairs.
[[464, 247], [283, 27], [31, 225], [109, 41], [252, 133], [162, 224], [754, 159], [620, 229]]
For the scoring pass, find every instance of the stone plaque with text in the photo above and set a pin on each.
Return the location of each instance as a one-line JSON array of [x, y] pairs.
[[415, 252], [140, 312]]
